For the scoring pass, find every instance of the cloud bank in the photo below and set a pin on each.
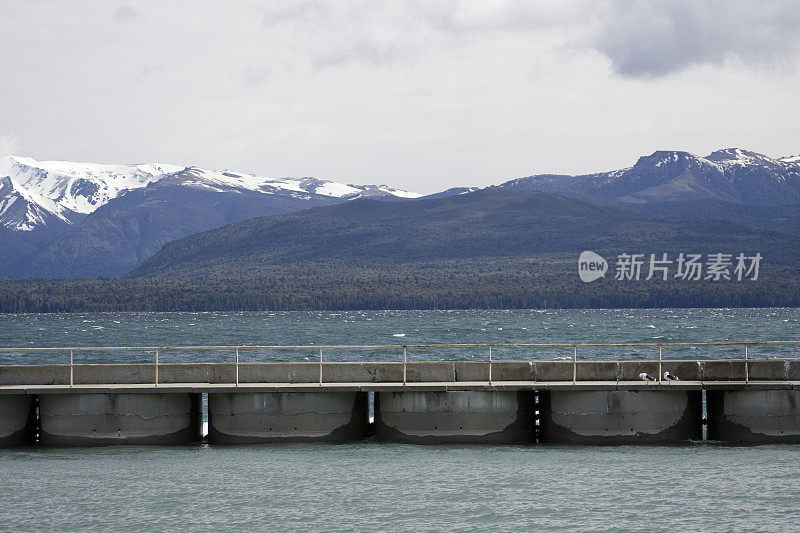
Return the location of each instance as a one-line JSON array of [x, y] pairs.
[[418, 94], [640, 38], [646, 38]]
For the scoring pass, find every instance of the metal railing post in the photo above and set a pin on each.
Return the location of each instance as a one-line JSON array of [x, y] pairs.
[[730, 346], [574, 364], [746, 366], [405, 365], [490, 364]]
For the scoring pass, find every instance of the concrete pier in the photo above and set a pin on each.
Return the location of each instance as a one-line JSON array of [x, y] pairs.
[[754, 416], [103, 419], [620, 417], [17, 420], [261, 417], [490, 401], [455, 417]]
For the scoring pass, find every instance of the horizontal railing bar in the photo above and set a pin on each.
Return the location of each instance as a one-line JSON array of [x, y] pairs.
[[400, 363], [394, 346]]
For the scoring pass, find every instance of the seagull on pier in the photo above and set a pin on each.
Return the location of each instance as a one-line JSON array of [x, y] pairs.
[[670, 377], [644, 376]]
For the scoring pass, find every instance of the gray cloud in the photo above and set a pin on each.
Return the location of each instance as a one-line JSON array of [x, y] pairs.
[[355, 31], [381, 32], [422, 95], [653, 38], [154, 69], [253, 76], [641, 38], [126, 13]]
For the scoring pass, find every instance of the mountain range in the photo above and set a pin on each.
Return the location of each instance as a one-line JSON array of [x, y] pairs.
[[491, 248], [730, 175], [485, 225], [63, 219]]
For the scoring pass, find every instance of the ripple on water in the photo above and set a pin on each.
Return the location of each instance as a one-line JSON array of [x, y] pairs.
[[419, 327], [379, 486]]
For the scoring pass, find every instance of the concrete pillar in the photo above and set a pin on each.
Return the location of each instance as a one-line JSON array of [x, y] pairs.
[[75, 419], [754, 416], [17, 420], [261, 417], [455, 417], [620, 417]]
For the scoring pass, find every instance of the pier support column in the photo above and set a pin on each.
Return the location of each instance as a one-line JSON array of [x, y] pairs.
[[620, 417], [754, 416], [17, 420], [75, 419], [262, 417], [455, 417]]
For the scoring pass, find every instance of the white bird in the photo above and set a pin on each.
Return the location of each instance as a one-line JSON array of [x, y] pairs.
[[670, 377], [644, 376]]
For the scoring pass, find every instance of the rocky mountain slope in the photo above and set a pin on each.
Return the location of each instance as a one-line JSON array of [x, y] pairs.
[[729, 175], [64, 219]]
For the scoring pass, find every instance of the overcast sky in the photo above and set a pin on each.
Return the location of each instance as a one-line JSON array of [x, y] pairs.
[[421, 94]]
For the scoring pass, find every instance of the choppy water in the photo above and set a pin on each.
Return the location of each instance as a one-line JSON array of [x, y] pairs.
[[374, 486], [400, 327]]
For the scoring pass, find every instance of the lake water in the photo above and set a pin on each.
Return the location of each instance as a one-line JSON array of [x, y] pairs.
[[396, 328], [376, 486]]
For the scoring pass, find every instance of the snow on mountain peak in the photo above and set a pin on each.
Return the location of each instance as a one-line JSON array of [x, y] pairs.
[[663, 157], [737, 156], [23, 210], [80, 187], [65, 188], [666, 157], [399, 193], [220, 180], [720, 159], [335, 189]]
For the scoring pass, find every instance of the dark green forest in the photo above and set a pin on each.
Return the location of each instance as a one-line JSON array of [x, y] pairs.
[[456, 284]]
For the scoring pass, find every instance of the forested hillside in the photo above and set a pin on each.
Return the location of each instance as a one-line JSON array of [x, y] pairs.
[[483, 225], [492, 248], [548, 282]]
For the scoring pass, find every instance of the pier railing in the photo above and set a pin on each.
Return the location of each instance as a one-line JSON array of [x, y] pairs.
[[318, 352]]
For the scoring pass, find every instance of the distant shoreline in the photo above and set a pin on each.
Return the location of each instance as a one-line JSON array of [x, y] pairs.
[[398, 292]]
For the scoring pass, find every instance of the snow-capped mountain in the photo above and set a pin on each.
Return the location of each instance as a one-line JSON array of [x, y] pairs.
[[38, 191], [454, 191], [23, 210], [64, 219], [60, 219], [220, 181], [69, 190], [730, 175]]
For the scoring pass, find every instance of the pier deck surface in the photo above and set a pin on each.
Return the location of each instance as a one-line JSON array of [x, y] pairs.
[[426, 386]]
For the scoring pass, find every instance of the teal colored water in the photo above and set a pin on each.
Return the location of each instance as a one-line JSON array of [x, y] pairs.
[[374, 486], [400, 327], [380, 487]]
